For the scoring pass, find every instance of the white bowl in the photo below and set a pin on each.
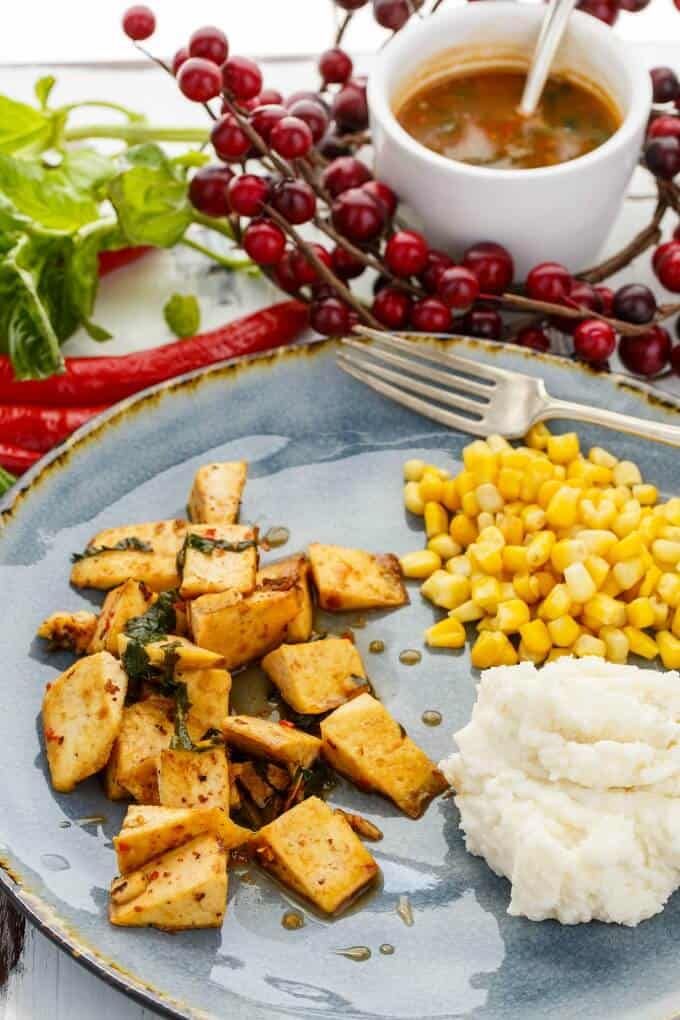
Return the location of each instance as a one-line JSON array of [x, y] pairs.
[[562, 213]]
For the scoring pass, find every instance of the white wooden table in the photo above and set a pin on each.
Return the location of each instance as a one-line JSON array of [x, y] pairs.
[[47, 984]]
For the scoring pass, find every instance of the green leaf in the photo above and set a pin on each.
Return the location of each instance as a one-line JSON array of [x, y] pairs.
[[22, 127], [193, 158], [159, 619], [81, 273], [43, 88], [132, 542], [183, 314], [47, 195], [88, 170], [27, 333], [7, 480], [150, 197], [95, 332]]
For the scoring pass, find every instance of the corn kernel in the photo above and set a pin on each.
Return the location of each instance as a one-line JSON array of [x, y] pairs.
[[668, 589], [599, 516], [459, 565], [546, 492], [480, 461], [469, 504], [526, 655], [539, 548], [546, 582], [628, 520], [413, 501], [563, 631], [463, 530], [497, 443], [562, 510], [640, 643], [619, 495], [670, 532], [563, 449], [669, 649], [512, 615], [650, 581], [611, 586], [492, 536], [598, 568], [486, 592], [557, 653], [413, 470], [675, 625], [650, 528], [450, 495], [465, 482], [448, 633], [661, 612], [431, 487], [557, 603], [420, 564], [586, 645], [533, 517], [604, 611], [485, 520], [446, 590], [626, 473], [671, 510], [616, 644], [511, 528], [537, 437], [628, 573], [626, 549], [515, 559], [666, 551], [509, 483], [566, 552], [535, 638], [640, 613], [444, 546], [467, 612], [527, 588], [646, 495], [602, 458], [517, 459], [580, 584], [436, 520], [489, 498], [492, 649]]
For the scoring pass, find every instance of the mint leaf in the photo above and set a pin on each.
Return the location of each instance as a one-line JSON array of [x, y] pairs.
[[183, 314], [150, 196], [43, 88], [22, 127]]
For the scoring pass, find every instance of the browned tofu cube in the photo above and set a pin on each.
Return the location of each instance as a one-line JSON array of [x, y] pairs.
[[128, 600], [295, 568], [208, 693], [218, 557], [241, 628], [145, 552], [193, 779], [183, 888], [363, 742], [354, 579], [147, 729], [189, 655], [72, 631], [150, 831], [317, 676], [216, 493], [82, 712], [314, 851], [265, 739]]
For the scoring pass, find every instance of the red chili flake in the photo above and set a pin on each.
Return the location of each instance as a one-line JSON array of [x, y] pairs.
[[348, 635], [138, 910], [110, 687], [48, 687], [153, 876], [123, 847], [210, 533], [288, 724], [51, 735]]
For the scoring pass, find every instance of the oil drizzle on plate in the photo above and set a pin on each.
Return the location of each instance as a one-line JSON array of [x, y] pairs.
[[357, 953], [292, 920], [387, 949], [376, 647], [410, 657], [431, 717]]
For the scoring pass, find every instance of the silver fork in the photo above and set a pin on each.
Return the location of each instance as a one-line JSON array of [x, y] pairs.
[[484, 399]]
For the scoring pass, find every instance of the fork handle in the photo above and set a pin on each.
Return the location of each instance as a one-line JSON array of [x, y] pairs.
[[612, 420]]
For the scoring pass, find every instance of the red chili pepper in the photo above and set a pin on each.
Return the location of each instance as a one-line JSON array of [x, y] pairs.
[[16, 459], [111, 260], [92, 381], [41, 428], [287, 724]]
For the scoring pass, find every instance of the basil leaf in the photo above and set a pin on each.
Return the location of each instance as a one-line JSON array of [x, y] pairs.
[[207, 545], [183, 314], [50, 196], [136, 663], [22, 127], [181, 740], [159, 620], [81, 273], [43, 87], [26, 330], [151, 199], [125, 543]]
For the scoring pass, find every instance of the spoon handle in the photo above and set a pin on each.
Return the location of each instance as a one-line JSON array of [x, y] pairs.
[[549, 38]]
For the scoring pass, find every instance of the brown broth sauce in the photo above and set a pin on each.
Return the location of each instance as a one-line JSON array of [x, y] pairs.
[[473, 118]]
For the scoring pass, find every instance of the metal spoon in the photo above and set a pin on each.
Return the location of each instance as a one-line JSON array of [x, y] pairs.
[[549, 38]]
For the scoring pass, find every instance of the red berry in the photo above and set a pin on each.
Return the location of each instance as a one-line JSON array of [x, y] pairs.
[[242, 77], [295, 97], [660, 253], [665, 84], [675, 359], [199, 80], [406, 253], [603, 10], [284, 275], [662, 156], [430, 315], [668, 269], [458, 288], [492, 265], [350, 109], [330, 317], [263, 118], [664, 127], [210, 43], [345, 265], [676, 233], [382, 194], [594, 340], [180, 57], [335, 66], [647, 354], [270, 97], [357, 216], [584, 295], [230, 141], [634, 5], [247, 194], [208, 190], [303, 270], [344, 173], [264, 242], [291, 138], [295, 200], [392, 14], [437, 262], [534, 338], [391, 307], [139, 22], [351, 5], [606, 295], [483, 322], [634, 303], [549, 281], [314, 116]]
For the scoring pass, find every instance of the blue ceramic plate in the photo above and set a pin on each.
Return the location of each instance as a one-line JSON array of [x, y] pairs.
[[326, 457]]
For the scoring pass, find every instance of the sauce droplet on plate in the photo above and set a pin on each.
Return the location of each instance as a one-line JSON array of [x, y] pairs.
[[386, 949], [410, 657], [376, 646], [431, 717], [357, 953], [276, 536], [292, 920]]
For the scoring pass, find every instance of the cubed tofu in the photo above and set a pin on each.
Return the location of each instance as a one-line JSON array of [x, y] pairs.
[[183, 888], [363, 742], [147, 729], [216, 493], [157, 568], [295, 568], [354, 579], [72, 631], [193, 779], [189, 655], [241, 628], [150, 831], [208, 692], [112, 788], [318, 676], [128, 600], [82, 715], [314, 851], [265, 739], [218, 557]]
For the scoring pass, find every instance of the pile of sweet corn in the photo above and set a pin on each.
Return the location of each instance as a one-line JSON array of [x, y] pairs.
[[548, 552]]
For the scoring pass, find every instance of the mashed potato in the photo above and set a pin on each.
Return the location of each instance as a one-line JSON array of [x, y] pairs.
[[568, 784]]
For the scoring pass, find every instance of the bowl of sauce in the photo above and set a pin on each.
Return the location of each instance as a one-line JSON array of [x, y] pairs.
[[449, 139]]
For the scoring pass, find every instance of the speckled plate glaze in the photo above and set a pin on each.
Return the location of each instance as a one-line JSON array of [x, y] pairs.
[[326, 457]]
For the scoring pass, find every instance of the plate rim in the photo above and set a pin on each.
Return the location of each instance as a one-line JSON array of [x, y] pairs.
[[32, 906]]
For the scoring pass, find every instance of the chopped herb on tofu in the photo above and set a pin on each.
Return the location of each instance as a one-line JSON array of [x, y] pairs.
[[295, 568], [70, 630], [363, 742], [124, 558], [124, 603], [218, 557], [314, 851], [273, 740], [216, 493], [188, 655], [193, 778], [354, 579], [318, 676], [82, 713]]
